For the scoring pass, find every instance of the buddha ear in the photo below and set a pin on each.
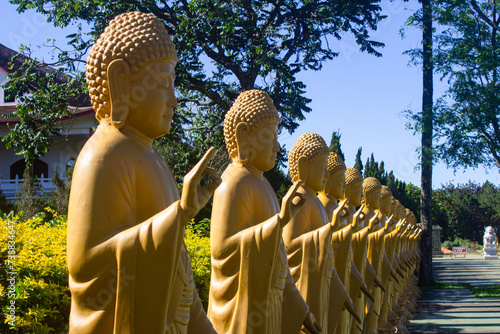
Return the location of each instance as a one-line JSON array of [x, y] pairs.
[[119, 91], [242, 132], [303, 168]]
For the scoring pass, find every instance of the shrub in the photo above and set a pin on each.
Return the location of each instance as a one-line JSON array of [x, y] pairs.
[[447, 244], [199, 252], [42, 298]]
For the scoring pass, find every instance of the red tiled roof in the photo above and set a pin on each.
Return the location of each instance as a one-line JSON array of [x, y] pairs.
[[78, 107], [74, 111]]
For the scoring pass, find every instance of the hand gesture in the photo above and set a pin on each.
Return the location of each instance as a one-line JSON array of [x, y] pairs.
[[373, 221], [194, 196], [358, 217], [335, 217], [389, 222], [288, 207], [310, 325]]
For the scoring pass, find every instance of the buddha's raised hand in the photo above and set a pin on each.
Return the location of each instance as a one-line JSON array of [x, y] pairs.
[[194, 195], [335, 217], [289, 206]]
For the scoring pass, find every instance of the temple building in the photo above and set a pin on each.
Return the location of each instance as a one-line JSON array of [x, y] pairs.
[[76, 129]]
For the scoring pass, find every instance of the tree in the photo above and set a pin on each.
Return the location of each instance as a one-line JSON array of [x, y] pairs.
[[335, 144], [423, 19], [43, 96], [425, 277], [225, 47], [466, 52], [466, 210], [371, 168], [358, 163]]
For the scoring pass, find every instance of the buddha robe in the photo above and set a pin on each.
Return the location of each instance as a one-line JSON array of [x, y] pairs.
[[251, 289], [129, 268], [308, 239], [342, 251]]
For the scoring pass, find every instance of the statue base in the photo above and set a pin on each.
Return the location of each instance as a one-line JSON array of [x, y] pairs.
[[490, 253]]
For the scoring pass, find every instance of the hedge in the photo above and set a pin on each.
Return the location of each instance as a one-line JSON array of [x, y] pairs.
[[42, 297]]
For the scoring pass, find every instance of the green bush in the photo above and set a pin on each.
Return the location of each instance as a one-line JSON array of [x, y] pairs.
[[42, 297]]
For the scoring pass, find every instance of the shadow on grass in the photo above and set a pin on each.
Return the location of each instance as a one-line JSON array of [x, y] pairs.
[[478, 291]]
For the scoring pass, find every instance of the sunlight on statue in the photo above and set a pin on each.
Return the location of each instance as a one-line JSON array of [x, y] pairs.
[[341, 237], [129, 268], [252, 290], [308, 236]]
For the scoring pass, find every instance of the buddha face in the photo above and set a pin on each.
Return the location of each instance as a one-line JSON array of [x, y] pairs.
[[337, 185], [356, 193], [263, 146], [317, 172], [373, 198], [386, 206], [152, 99]]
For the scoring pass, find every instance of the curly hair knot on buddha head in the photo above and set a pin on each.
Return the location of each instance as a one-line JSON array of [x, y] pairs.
[[335, 164], [254, 107], [352, 175], [309, 145], [371, 184], [135, 37]]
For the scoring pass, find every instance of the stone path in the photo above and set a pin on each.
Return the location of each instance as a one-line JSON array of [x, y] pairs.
[[457, 310]]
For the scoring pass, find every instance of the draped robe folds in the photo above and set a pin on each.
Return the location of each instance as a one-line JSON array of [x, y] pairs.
[[389, 240], [360, 260], [376, 255], [129, 268], [251, 290], [310, 257]]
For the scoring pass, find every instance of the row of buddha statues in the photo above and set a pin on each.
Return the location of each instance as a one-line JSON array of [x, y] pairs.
[[339, 255]]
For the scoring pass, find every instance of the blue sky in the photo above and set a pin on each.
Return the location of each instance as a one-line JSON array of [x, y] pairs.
[[361, 95]]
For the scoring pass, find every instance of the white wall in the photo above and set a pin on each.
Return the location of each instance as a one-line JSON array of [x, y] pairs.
[[76, 133]]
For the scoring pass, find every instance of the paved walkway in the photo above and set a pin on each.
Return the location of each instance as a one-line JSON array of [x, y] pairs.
[[457, 310]]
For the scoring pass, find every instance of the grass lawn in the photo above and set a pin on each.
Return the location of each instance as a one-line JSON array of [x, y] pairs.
[[478, 291]]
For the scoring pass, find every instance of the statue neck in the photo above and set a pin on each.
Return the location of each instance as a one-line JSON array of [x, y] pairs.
[[253, 170], [137, 136]]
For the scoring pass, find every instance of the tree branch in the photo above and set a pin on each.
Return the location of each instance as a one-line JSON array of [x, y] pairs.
[[483, 15], [198, 103]]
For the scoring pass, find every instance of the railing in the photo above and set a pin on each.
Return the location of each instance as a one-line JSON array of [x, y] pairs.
[[10, 188]]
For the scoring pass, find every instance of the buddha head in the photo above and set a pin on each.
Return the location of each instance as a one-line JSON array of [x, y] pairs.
[[353, 186], [371, 192], [251, 130], [130, 74], [308, 159], [386, 201], [335, 184]]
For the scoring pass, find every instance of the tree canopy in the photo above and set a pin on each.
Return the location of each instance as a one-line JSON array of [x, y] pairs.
[[335, 146], [466, 53], [225, 47]]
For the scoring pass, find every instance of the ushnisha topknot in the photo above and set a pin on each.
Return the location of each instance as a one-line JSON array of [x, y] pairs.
[[254, 107], [310, 145], [385, 192], [135, 37], [352, 175], [335, 163], [370, 184]]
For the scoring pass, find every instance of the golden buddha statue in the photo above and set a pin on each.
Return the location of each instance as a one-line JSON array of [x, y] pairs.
[[252, 290], [341, 236], [376, 252], [354, 194], [390, 242], [129, 270], [308, 235]]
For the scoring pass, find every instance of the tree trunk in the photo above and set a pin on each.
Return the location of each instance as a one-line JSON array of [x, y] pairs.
[[426, 165]]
